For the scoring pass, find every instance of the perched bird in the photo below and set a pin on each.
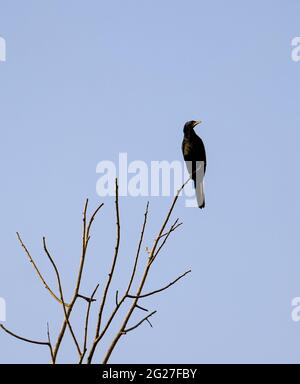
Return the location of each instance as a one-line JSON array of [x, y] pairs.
[[195, 158]]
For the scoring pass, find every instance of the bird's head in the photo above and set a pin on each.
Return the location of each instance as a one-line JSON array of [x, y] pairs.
[[190, 125]]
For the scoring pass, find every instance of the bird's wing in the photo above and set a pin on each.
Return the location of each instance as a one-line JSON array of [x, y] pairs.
[[199, 149]]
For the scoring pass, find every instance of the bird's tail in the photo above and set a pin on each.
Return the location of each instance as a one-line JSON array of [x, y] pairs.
[[200, 194]]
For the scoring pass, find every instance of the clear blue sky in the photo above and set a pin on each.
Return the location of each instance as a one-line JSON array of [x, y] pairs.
[[84, 81]]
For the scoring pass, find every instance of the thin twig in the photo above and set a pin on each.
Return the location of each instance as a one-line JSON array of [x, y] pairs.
[[141, 308], [173, 229], [161, 289], [166, 236], [92, 219], [149, 322], [139, 323], [50, 344], [138, 249], [87, 324], [24, 338], [88, 299], [117, 298]]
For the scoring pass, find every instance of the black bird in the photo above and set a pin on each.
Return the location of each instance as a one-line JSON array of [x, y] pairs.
[[195, 158]]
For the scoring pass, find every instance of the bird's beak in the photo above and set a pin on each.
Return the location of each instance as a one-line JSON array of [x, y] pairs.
[[197, 122]]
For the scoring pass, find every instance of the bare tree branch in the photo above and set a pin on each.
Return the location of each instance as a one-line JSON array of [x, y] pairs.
[[85, 239], [119, 303], [110, 275], [61, 295], [158, 243], [144, 277]]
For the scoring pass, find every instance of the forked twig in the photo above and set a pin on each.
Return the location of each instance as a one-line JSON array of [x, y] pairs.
[[23, 338], [87, 317], [61, 295], [50, 345], [37, 270], [31, 341], [139, 323]]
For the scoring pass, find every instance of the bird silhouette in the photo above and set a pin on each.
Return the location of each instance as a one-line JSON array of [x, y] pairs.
[[194, 154]]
